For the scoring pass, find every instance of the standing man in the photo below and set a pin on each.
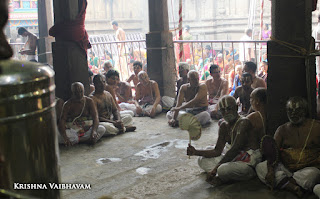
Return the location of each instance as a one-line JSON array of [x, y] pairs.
[[30, 46], [245, 48], [121, 36]]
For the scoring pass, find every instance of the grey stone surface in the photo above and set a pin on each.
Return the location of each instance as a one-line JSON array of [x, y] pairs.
[[169, 174]]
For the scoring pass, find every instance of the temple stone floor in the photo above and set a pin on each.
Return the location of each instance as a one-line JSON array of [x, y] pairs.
[[150, 163]]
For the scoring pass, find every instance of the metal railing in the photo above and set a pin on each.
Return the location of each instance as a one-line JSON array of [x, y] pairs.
[[198, 53]]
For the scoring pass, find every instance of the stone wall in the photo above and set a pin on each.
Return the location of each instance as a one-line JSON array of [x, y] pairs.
[[208, 19]]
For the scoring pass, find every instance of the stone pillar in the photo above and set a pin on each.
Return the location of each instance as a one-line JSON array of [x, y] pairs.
[[289, 73], [69, 60], [160, 51], [45, 20]]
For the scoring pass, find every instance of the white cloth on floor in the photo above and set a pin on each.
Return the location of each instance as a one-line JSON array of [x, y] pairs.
[[128, 107], [167, 101], [232, 171], [148, 108], [203, 117], [307, 177], [110, 129], [74, 138], [316, 190]]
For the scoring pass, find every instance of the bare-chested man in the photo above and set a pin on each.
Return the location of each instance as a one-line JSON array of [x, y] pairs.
[[217, 87], [30, 46], [137, 67], [184, 68], [112, 78], [258, 101], [192, 98], [121, 36], [239, 161], [243, 92], [250, 67], [147, 96], [123, 92], [107, 65], [79, 119], [107, 108], [299, 144]]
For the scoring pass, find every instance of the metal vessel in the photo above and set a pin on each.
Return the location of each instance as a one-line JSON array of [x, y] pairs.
[[28, 130]]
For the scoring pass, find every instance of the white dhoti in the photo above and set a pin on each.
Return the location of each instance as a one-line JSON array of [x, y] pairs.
[[74, 138], [203, 117], [306, 178], [167, 101], [128, 108], [148, 108], [232, 171], [110, 129]]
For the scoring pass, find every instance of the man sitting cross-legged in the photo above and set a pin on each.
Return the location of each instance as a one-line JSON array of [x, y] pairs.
[[147, 96], [192, 98], [79, 119], [124, 94], [107, 107], [243, 93], [217, 87], [137, 67], [299, 144], [184, 68], [112, 80], [239, 161]]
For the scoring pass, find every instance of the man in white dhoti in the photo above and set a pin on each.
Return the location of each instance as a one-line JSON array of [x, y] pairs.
[[238, 163], [299, 144]]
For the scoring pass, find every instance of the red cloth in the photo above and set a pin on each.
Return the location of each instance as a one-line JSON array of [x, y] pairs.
[[73, 30]]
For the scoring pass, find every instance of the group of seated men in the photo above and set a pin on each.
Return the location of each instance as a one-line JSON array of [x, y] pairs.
[[292, 164], [291, 158]]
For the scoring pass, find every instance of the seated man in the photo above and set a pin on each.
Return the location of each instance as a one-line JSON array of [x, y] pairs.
[[79, 119], [183, 72], [299, 144], [29, 48], [217, 87], [107, 65], [258, 101], [250, 67], [243, 93], [123, 92], [112, 79], [192, 98], [239, 161], [137, 67], [147, 96], [107, 107]]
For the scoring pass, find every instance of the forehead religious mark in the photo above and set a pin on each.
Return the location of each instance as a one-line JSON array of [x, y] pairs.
[[224, 103], [294, 105]]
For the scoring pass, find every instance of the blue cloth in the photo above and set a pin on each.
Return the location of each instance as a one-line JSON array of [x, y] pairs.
[[236, 83]]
